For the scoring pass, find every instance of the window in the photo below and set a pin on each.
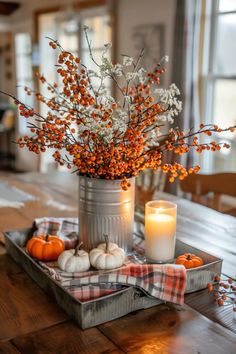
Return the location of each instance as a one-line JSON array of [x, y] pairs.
[[220, 81], [71, 35], [100, 33], [67, 28], [24, 75]]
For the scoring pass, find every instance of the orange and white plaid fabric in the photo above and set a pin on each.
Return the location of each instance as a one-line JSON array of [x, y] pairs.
[[65, 228], [163, 281]]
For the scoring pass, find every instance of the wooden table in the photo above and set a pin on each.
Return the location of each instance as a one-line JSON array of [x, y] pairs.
[[31, 322]]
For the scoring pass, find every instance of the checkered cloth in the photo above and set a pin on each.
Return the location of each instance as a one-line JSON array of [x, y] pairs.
[[166, 282], [65, 228]]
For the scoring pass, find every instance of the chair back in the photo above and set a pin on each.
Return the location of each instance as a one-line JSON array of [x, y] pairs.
[[147, 183], [218, 184]]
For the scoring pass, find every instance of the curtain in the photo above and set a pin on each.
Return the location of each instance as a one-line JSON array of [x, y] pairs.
[[186, 56]]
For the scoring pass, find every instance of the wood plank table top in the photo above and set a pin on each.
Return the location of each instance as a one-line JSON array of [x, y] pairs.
[[31, 322]]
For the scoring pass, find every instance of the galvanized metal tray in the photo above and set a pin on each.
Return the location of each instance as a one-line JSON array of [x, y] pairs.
[[94, 312]]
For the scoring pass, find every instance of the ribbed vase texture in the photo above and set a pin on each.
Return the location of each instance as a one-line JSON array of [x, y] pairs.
[[105, 208]]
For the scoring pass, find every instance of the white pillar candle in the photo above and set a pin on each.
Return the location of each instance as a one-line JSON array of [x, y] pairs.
[[160, 230]]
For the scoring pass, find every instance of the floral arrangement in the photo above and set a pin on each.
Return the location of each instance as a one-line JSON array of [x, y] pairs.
[[224, 291], [88, 129]]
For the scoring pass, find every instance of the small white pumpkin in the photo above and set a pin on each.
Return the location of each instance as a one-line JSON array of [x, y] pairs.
[[74, 260], [107, 255]]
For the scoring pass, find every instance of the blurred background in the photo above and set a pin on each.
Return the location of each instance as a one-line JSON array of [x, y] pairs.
[[198, 35]]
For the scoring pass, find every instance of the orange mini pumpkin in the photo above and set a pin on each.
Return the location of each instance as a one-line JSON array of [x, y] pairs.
[[189, 260], [45, 248]]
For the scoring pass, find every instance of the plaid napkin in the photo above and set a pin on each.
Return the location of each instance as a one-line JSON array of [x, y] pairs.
[[165, 282], [65, 228]]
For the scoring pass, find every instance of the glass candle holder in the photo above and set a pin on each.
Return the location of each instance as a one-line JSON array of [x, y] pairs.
[[160, 231]]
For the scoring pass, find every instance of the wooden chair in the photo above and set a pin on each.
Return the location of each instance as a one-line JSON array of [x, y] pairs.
[[208, 189], [146, 184]]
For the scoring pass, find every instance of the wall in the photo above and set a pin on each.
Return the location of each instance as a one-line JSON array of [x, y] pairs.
[[22, 20], [132, 13], [7, 78], [129, 13]]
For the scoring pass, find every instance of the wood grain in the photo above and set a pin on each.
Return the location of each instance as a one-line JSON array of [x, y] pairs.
[[60, 183], [35, 210], [66, 338], [23, 305], [169, 329], [8, 348], [2, 248], [13, 219], [51, 199], [206, 305], [208, 230], [7, 266]]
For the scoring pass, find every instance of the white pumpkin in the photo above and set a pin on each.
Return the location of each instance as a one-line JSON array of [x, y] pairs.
[[74, 260], [107, 255]]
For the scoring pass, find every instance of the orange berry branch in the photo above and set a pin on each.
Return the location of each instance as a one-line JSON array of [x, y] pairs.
[[87, 129], [224, 291]]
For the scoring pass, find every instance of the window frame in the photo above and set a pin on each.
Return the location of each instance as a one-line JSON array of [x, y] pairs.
[[26, 80], [210, 76], [85, 9]]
